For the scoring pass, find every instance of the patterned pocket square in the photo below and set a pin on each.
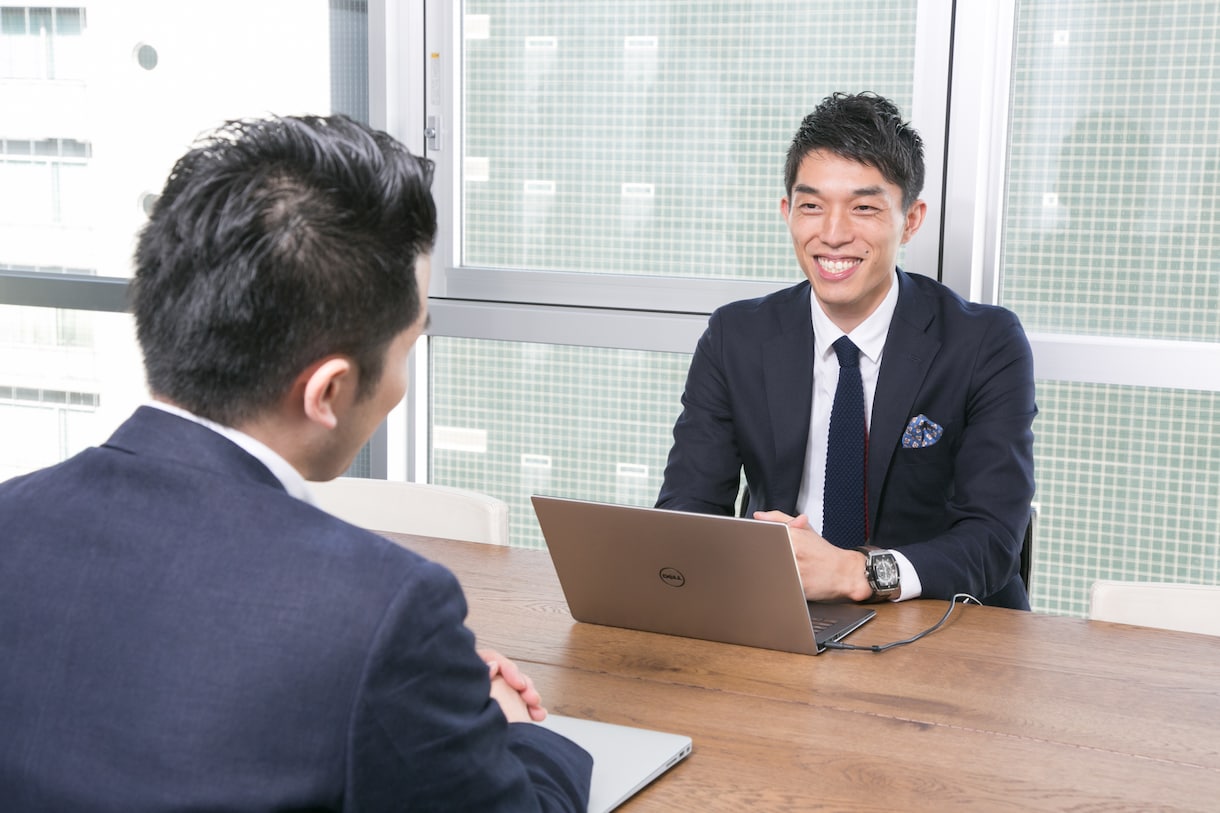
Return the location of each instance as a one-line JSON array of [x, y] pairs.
[[921, 431]]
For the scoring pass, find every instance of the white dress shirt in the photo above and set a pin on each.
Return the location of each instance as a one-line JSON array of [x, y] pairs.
[[870, 337]]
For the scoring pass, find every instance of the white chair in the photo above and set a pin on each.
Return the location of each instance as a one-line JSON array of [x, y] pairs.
[[1171, 606], [415, 508]]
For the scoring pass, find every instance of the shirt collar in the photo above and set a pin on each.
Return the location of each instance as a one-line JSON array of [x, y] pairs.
[[869, 335], [288, 476]]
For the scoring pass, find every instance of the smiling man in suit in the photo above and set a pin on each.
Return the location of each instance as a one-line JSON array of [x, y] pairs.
[[179, 627], [931, 495]]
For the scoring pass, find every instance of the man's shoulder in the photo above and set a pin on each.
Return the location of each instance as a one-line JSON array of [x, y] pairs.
[[322, 544], [360, 542], [918, 291], [169, 503], [782, 298], [777, 311]]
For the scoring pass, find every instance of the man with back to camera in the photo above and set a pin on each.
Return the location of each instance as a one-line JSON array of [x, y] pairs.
[[181, 627], [937, 492]]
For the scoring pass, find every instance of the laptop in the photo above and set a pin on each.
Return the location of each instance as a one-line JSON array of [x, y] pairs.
[[625, 758], [694, 575]]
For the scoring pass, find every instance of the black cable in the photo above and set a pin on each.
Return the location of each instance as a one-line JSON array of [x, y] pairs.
[[966, 597]]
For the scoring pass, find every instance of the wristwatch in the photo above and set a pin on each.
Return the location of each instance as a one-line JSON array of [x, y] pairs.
[[881, 569]]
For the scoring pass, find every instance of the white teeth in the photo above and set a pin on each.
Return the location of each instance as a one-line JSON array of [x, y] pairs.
[[836, 266]]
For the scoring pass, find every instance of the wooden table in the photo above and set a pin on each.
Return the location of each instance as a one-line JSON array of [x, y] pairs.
[[998, 711]]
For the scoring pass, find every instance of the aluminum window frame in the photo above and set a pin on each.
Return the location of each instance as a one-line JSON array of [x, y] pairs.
[[974, 191]]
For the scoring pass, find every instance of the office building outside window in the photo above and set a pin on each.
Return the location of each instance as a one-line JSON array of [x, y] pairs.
[[96, 101]]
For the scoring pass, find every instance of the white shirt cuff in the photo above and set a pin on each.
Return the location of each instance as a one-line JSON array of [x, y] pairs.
[[910, 584]]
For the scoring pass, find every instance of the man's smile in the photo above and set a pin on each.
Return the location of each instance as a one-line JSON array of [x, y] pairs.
[[837, 267]]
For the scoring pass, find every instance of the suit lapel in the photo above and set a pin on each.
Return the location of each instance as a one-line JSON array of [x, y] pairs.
[[788, 378], [910, 347]]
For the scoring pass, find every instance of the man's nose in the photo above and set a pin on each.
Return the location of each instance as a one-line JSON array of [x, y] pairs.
[[836, 228]]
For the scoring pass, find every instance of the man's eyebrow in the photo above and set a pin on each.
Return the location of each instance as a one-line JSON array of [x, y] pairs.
[[862, 192]]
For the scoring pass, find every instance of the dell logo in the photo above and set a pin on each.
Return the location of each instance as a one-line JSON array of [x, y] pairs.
[[672, 577]]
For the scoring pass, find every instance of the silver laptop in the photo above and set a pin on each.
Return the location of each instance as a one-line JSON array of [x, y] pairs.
[[625, 758], [695, 575]]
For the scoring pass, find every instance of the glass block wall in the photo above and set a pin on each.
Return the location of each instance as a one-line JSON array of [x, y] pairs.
[[515, 419], [1128, 488], [648, 137], [638, 137], [1111, 229]]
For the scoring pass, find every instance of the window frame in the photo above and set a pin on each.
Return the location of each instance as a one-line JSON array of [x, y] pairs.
[[974, 219], [641, 312]]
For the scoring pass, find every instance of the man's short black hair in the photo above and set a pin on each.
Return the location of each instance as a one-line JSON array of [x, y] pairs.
[[865, 128], [275, 243]]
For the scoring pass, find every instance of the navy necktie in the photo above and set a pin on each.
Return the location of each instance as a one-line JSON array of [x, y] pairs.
[[844, 508]]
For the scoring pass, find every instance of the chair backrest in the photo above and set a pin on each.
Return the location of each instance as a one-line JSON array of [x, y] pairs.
[[1171, 606], [415, 508]]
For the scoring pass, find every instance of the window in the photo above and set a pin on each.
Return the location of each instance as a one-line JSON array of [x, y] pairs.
[[41, 42], [44, 181], [606, 160], [648, 137], [67, 378], [98, 101], [526, 418], [1109, 244]]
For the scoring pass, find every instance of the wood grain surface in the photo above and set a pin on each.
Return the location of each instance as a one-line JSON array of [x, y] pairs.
[[999, 710]]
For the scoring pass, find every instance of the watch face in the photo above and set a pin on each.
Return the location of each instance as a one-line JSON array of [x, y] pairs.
[[885, 571]]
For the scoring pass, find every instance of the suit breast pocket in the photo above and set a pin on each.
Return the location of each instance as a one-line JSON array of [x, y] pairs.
[[928, 446]]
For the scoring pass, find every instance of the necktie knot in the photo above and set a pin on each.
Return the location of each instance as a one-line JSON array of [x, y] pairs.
[[848, 353]]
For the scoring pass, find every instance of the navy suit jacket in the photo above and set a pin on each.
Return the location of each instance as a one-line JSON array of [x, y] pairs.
[[177, 631], [957, 509]]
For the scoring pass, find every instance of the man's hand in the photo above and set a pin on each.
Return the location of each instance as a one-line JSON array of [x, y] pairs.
[[828, 573], [512, 689]]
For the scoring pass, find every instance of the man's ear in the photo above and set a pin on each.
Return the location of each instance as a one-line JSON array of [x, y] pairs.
[[329, 389], [914, 219]]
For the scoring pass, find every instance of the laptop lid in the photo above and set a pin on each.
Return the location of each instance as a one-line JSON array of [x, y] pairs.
[[695, 575], [625, 758]]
